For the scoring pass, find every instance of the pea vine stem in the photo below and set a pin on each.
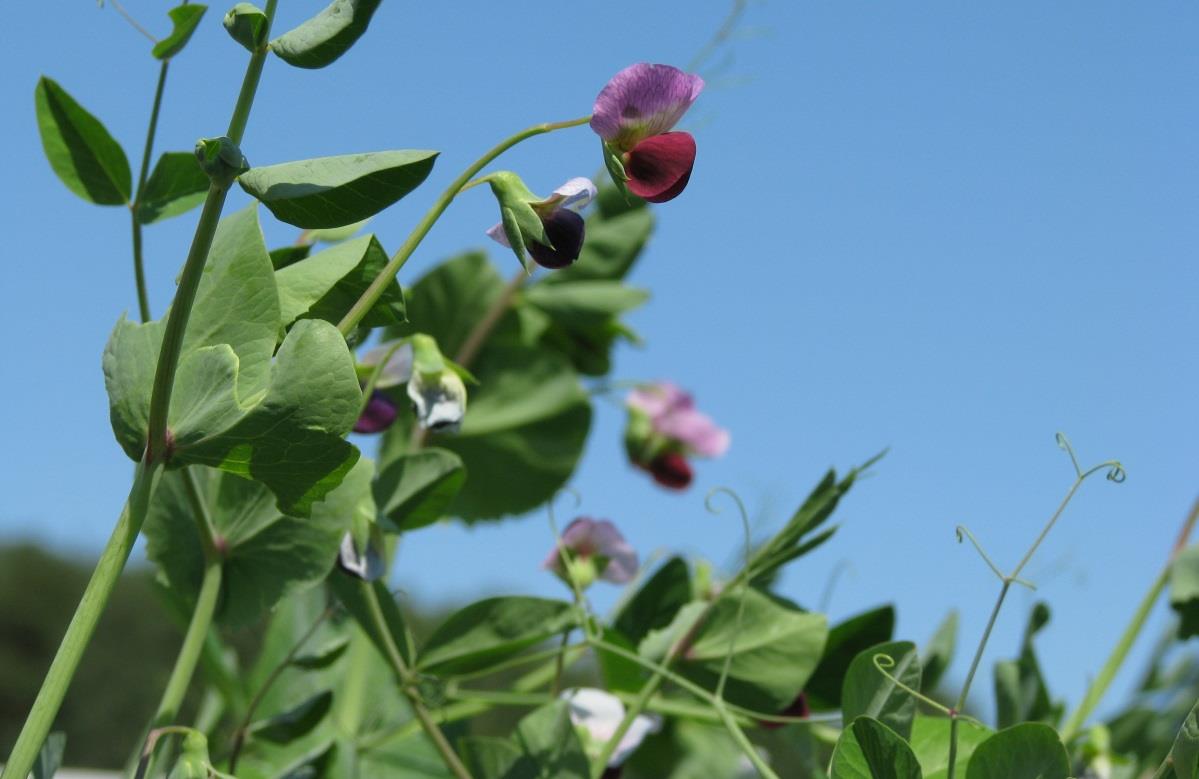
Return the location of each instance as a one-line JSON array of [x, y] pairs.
[[116, 552], [375, 290], [139, 271], [406, 680], [1100, 684], [1115, 473]]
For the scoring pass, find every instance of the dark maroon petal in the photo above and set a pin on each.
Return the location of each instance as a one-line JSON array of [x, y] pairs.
[[659, 167], [564, 229], [379, 414], [612, 772], [798, 708], [671, 470]]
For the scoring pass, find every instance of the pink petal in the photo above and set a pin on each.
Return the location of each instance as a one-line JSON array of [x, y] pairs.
[[658, 398], [695, 430], [643, 100], [660, 166]]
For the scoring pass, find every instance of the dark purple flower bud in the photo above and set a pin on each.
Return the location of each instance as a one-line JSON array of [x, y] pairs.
[[671, 470], [379, 414], [564, 229]]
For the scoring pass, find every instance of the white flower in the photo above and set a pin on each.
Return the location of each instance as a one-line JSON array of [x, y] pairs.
[[600, 713], [397, 370], [439, 400]]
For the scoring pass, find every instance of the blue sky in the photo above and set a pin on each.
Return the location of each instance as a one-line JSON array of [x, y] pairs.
[[947, 229]]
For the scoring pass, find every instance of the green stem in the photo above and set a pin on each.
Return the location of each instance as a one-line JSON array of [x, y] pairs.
[[1107, 674], [83, 624], [139, 273], [747, 748], [405, 680], [193, 645], [375, 290], [116, 552]]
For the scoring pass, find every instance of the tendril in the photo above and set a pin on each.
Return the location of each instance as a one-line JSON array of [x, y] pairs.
[[883, 663], [963, 533], [712, 508], [1063, 443]]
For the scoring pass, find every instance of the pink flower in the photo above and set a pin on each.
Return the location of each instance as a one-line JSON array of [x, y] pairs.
[[664, 428], [634, 114], [596, 550]]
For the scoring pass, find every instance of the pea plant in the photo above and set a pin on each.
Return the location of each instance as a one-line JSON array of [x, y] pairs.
[[236, 404]]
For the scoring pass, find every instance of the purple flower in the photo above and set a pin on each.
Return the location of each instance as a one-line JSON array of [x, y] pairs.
[[380, 413], [558, 215], [664, 427], [634, 114], [596, 549]]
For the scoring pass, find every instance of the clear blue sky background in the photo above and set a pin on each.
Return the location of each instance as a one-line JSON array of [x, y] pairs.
[[948, 229]]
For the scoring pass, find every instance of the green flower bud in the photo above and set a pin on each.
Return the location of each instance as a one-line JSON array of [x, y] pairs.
[[247, 25], [221, 159]]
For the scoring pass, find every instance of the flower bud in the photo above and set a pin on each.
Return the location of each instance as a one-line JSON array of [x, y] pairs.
[[437, 392], [549, 229], [247, 25], [221, 160]]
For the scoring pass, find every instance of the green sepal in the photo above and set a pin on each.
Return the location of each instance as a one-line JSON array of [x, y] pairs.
[[515, 240], [248, 25], [426, 357], [221, 160], [615, 167], [185, 19]]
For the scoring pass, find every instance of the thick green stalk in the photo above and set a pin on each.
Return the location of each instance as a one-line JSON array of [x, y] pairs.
[[1107, 674], [375, 290], [139, 272], [405, 680], [193, 645], [83, 624], [116, 552]]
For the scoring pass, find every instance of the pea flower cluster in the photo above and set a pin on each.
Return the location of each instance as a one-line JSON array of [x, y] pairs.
[[592, 549], [664, 428]]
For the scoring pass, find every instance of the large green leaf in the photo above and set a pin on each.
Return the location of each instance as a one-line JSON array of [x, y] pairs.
[[868, 692], [938, 653], [415, 489], [774, 645], [656, 602], [549, 745], [868, 749], [336, 191], [488, 757], [1184, 591], [845, 642], [326, 36], [452, 298], [184, 20], [930, 742], [86, 158], [582, 319], [1184, 755], [176, 185], [296, 722], [351, 591], [326, 285], [489, 631], [530, 414], [1028, 751], [266, 555]]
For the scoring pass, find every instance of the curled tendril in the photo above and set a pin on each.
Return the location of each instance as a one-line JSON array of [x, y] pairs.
[[883, 663], [712, 508], [1063, 443], [963, 533]]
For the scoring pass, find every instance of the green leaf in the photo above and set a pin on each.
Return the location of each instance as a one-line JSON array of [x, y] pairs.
[[1184, 591], [296, 722], [415, 489], [1185, 752], [288, 255], [583, 319], [351, 592], [267, 557], [845, 642], [1021, 694], [86, 158], [336, 234], [618, 672], [488, 757], [938, 653], [49, 758], [775, 647], [449, 300], [326, 36], [490, 631], [930, 742], [1028, 751], [336, 191], [868, 749], [327, 284], [176, 185], [530, 413], [549, 745], [868, 692], [656, 602], [185, 19], [323, 656]]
